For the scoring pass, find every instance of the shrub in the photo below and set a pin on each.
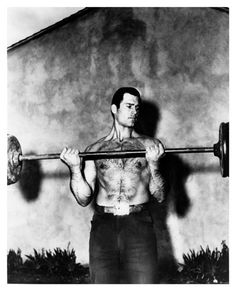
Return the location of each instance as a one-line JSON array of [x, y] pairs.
[[59, 264], [14, 260], [205, 266]]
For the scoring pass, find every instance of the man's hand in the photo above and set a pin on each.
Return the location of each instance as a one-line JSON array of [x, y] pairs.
[[153, 153], [71, 157]]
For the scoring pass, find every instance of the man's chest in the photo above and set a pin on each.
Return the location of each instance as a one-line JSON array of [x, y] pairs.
[[126, 164], [115, 145]]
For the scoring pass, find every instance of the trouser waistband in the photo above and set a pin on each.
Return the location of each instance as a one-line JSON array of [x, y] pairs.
[[121, 208]]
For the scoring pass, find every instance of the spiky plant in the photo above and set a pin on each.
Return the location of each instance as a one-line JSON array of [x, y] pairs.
[[205, 266], [58, 263], [36, 262]]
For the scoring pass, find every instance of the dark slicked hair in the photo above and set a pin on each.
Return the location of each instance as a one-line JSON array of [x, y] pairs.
[[118, 96]]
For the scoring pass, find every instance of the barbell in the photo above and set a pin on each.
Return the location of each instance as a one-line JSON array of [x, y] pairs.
[[15, 156]]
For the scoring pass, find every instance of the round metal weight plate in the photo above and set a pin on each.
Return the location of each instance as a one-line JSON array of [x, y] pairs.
[[224, 149], [13, 165]]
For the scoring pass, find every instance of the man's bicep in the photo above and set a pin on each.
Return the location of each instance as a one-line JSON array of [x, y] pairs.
[[90, 173]]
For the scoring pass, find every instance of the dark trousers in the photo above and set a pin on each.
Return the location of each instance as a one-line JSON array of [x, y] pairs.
[[123, 249]]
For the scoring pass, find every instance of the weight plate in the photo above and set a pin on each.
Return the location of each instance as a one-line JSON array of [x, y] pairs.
[[14, 166]]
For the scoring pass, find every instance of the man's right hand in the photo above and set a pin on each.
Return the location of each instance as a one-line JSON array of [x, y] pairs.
[[70, 157]]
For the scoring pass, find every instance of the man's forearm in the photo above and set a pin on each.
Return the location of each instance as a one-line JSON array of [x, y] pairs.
[[80, 188], [157, 183]]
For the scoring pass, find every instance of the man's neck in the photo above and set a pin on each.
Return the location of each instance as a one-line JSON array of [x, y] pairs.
[[121, 132]]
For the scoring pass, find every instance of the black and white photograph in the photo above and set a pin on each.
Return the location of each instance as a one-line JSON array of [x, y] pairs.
[[118, 145]]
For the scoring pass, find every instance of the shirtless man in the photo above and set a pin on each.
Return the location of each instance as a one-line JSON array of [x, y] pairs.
[[122, 242]]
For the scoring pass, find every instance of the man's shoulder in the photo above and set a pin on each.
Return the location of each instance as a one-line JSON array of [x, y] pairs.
[[149, 141], [95, 146]]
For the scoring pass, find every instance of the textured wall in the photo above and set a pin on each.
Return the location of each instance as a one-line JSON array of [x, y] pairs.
[[60, 87]]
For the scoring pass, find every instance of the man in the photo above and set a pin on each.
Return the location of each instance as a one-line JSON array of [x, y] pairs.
[[122, 241]]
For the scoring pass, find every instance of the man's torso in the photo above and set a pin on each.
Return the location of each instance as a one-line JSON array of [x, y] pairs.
[[123, 180]]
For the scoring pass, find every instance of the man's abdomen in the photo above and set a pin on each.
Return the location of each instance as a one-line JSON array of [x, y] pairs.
[[123, 185]]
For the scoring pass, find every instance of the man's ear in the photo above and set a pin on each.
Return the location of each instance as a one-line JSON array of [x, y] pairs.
[[113, 109]]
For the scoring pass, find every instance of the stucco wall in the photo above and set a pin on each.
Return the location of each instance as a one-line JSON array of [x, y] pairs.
[[59, 91]]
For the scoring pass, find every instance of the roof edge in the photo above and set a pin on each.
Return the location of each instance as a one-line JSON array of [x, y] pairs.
[[221, 9], [50, 28]]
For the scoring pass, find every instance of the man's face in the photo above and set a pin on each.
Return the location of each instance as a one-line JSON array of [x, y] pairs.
[[128, 111]]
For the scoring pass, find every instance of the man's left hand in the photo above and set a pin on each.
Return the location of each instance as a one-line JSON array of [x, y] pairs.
[[153, 153]]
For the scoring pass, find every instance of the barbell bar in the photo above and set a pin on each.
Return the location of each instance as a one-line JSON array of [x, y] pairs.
[[15, 156]]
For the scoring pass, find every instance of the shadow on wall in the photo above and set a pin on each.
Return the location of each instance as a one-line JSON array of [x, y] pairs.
[[148, 119], [32, 176], [175, 173], [30, 180]]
